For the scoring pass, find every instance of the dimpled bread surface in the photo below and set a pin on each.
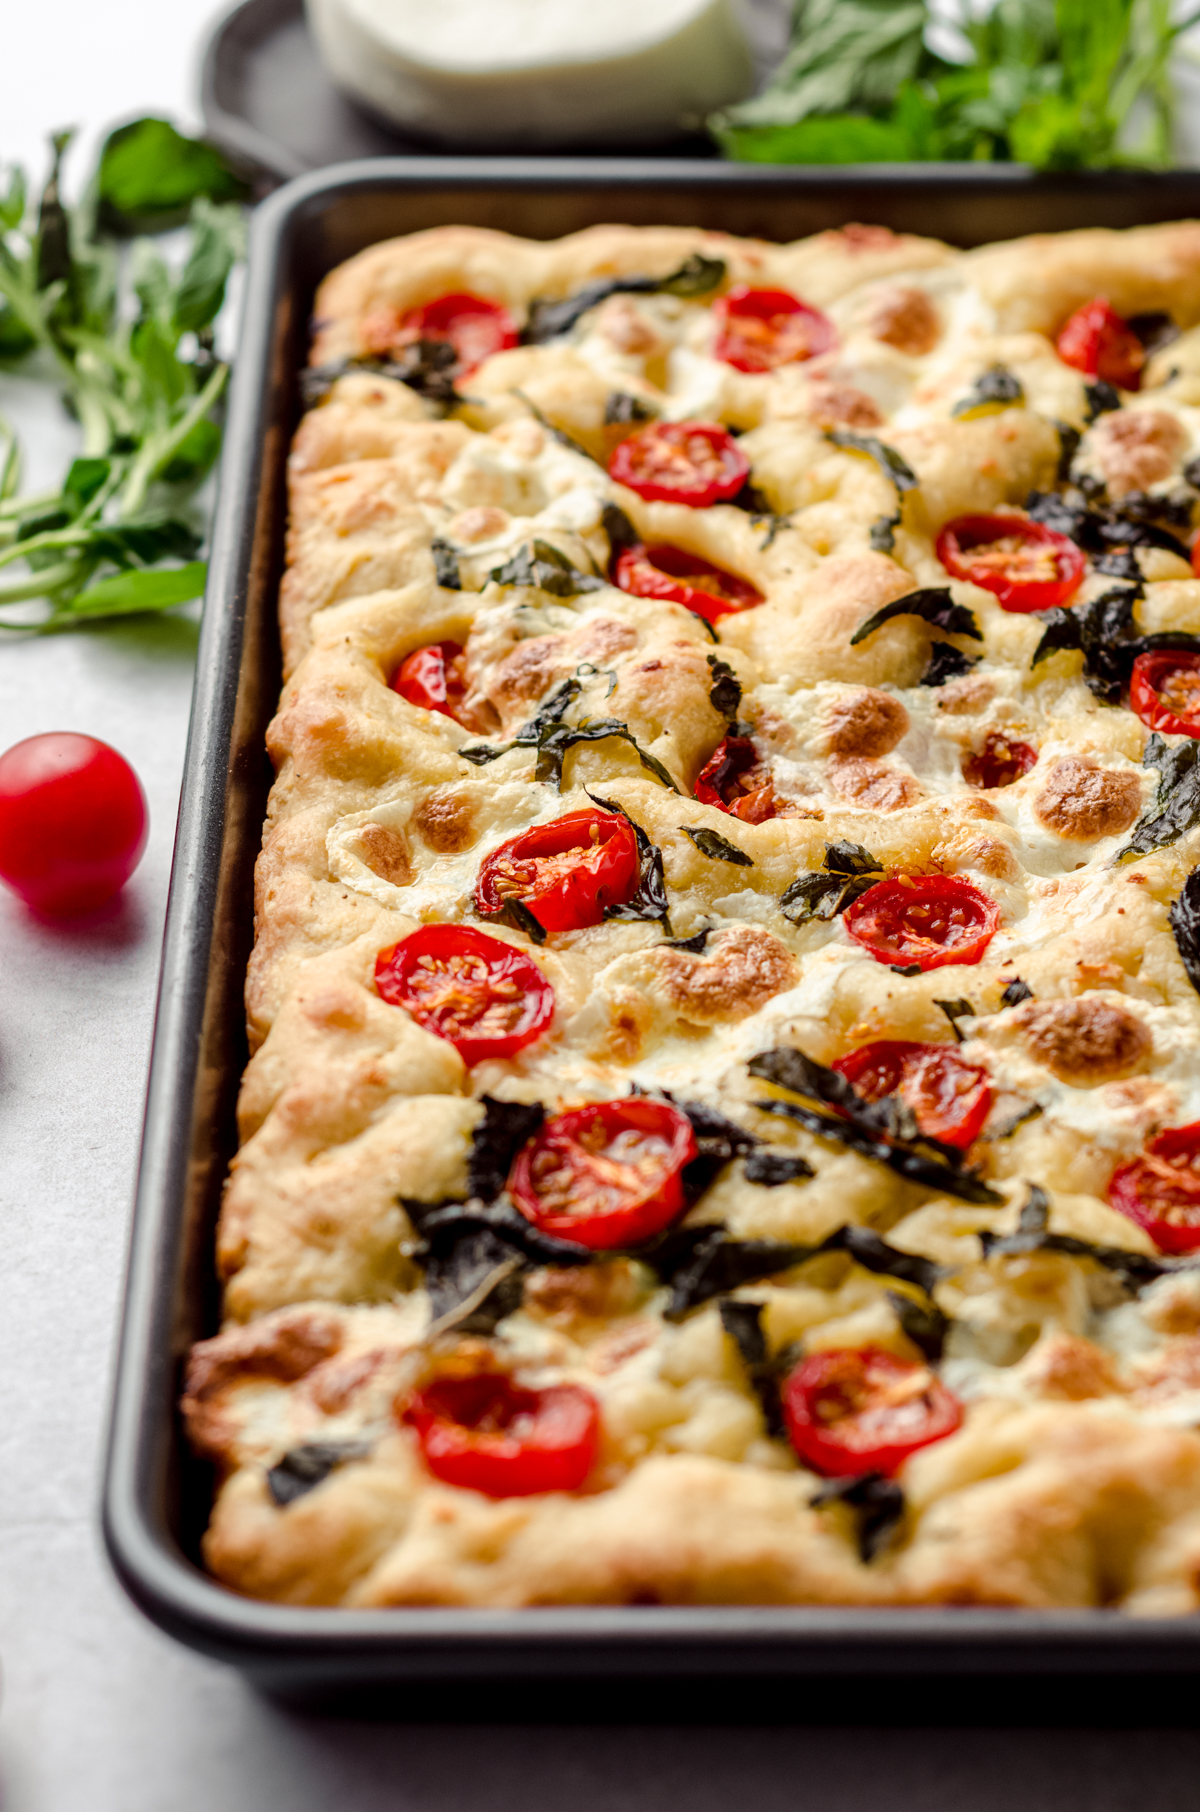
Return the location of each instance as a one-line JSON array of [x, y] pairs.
[[1074, 1479]]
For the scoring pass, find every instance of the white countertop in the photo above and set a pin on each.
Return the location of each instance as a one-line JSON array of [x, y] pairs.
[[99, 1712]]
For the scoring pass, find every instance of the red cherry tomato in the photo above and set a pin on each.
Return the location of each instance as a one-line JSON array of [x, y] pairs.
[[679, 578], [1098, 342], [696, 463], [483, 996], [950, 1097], [1164, 690], [1025, 565], [73, 822], [433, 678], [474, 327], [1000, 762], [859, 1409], [565, 873], [734, 780], [758, 329], [929, 920], [485, 1433], [605, 1176], [1160, 1191]]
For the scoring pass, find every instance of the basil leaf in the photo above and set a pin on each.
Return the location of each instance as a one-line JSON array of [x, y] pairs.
[[996, 389], [649, 900], [543, 566], [702, 1262], [696, 276], [557, 744], [726, 694], [149, 175], [1176, 809], [517, 914], [303, 1468], [742, 1321], [933, 604], [1102, 399], [954, 1011], [882, 538], [506, 1126], [946, 662], [1132, 1269], [717, 848], [1015, 993], [1185, 926], [695, 944], [924, 1324], [445, 565], [1102, 630], [617, 526], [621, 409], [844, 858], [770, 1169], [852, 871], [878, 1501], [886, 458]]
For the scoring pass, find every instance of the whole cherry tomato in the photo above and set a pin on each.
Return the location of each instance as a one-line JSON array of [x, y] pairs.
[[697, 463], [605, 1176], [1025, 565], [760, 329], [485, 1433], [73, 822], [679, 578], [929, 920], [1098, 342], [1160, 1191], [564, 873], [1000, 762], [474, 327], [1164, 690], [950, 1097], [735, 781], [433, 678], [483, 996], [860, 1409]]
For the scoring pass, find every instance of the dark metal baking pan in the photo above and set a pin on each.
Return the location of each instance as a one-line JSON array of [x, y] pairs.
[[156, 1498]]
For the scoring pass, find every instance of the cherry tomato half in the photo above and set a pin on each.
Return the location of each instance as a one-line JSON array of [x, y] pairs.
[[1164, 690], [929, 920], [696, 463], [605, 1176], [433, 678], [73, 822], [859, 1409], [474, 327], [1098, 342], [565, 873], [1160, 1191], [485, 1433], [483, 996], [735, 781], [1000, 762], [1025, 565], [758, 329], [679, 578], [950, 1097]]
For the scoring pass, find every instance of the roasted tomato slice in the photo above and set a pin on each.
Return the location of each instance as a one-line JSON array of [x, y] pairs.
[[758, 329], [1001, 761], [565, 873], [679, 578], [1161, 1189], [1164, 690], [474, 327], [485, 1433], [735, 781], [696, 463], [949, 1096], [929, 920], [605, 1176], [1098, 342], [433, 677], [483, 996], [1024, 564], [859, 1409]]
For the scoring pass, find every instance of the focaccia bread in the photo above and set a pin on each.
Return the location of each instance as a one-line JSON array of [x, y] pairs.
[[778, 1183]]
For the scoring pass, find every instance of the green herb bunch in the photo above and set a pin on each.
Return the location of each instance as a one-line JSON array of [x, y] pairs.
[[129, 343], [1059, 84]]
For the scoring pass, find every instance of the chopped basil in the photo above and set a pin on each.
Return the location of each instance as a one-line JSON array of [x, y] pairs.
[[699, 1263], [882, 539], [1016, 992], [1102, 399], [517, 914], [1185, 924], [954, 1011], [1176, 808], [302, 1468], [696, 276], [621, 408], [617, 526], [933, 604], [1132, 1269], [499, 1136], [851, 871], [1155, 330], [742, 1321], [717, 848], [554, 739], [695, 944], [1102, 630], [426, 366], [946, 662], [770, 1169], [878, 1501], [997, 388], [923, 1323], [445, 565], [649, 900], [886, 458], [725, 695], [543, 566]]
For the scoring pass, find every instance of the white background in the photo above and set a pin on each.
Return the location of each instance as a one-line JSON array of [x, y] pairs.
[[99, 1713]]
